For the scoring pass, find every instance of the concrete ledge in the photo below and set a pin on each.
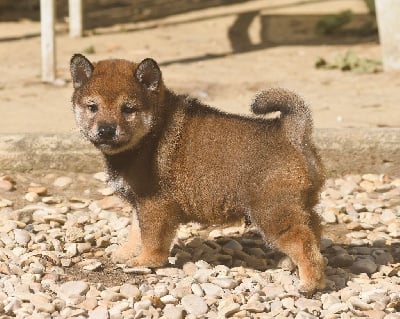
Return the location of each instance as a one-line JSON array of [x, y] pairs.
[[360, 150], [343, 151]]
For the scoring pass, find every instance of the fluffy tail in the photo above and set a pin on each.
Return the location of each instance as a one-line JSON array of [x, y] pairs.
[[295, 115]]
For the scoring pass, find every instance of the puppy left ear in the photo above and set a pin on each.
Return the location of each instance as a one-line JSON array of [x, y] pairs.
[[149, 74], [81, 70]]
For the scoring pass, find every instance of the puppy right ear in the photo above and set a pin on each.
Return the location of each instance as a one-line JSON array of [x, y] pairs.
[[149, 74], [81, 70]]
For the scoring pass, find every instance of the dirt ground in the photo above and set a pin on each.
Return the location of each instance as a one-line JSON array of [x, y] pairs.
[[221, 55]]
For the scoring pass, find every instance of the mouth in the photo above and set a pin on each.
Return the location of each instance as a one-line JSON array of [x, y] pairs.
[[108, 145]]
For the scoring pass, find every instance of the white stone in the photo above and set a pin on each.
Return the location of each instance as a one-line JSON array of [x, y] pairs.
[[328, 300], [101, 176], [227, 283], [93, 266], [71, 288], [197, 290], [228, 310], [212, 289], [168, 299], [21, 236], [5, 202], [100, 312], [329, 215], [106, 191], [62, 182], [32, 197], [194, 305], [129, 291], [387, 216], [142, 305], [173, 312]]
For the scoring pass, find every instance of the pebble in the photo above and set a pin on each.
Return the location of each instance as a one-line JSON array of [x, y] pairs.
[[254, 307], [194, 305], [329, 300], [342, 260], [5, 203], [137, 270], [168, 299], [308, 305], [6, 185], [197, 290], [71, 288], [173, 312], [329, 215], [142, 305], [107, 191], [359, 304], [32, 197], [305, 315], [129, 291], [89, 303], [364, 266], [388, 216], [211, 289], [228, 309], [93, 266], [62, 182], [234, 245], [22, 237], [227, 283], [101, 176], [100, 312], [40, 190]]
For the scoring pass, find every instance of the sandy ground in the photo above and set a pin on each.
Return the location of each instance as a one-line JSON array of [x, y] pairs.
[[222, 55]]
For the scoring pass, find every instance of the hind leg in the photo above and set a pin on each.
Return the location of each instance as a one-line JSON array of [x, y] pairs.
[[291, 230], [300, 244]]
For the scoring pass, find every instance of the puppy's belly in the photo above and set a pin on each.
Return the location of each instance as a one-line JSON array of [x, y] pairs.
[[214, 213]]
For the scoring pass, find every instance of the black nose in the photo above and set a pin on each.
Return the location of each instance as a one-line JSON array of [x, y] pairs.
[[106, 131]]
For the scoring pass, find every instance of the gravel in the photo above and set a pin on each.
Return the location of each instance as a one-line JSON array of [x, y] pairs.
[[57, 232]]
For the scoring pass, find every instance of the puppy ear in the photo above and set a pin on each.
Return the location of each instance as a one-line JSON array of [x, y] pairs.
[[81, 70], [149, 74]]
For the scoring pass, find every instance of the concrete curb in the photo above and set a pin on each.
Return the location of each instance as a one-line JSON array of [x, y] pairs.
[[344, 151]]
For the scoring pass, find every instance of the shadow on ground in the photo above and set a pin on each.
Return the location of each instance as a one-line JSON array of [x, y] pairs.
[[250, 251]]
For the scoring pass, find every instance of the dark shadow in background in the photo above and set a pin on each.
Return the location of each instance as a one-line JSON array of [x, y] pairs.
[[278, 30]]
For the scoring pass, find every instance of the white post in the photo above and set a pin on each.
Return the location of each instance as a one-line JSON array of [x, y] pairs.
[[75, 18], [47, 17], [388, 16]]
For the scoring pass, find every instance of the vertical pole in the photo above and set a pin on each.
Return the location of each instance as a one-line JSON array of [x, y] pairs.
[[47, 17], [75, 18], [388, 16]]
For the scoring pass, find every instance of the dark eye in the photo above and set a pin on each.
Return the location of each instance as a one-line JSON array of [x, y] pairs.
[[92, 107], [128, 109]]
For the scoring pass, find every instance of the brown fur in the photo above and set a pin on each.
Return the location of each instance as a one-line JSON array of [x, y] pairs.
[[178, 160]]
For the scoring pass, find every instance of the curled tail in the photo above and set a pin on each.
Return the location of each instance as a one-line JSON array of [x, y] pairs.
[[296, 122], [295, 115]]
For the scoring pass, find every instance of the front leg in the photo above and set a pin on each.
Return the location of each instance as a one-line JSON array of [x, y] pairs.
[[132, 246], [158, 220]]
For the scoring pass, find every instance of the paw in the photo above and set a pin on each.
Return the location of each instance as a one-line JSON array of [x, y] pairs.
[[148, 260], [122, 255], [308, 289]]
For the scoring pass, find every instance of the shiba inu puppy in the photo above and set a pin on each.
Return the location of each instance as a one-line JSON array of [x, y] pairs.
[[177, 160]]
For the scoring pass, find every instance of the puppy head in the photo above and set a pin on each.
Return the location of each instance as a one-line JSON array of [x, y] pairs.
[[116, 102]]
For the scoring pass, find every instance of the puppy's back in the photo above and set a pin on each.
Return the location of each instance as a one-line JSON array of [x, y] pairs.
[[223, 161]]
